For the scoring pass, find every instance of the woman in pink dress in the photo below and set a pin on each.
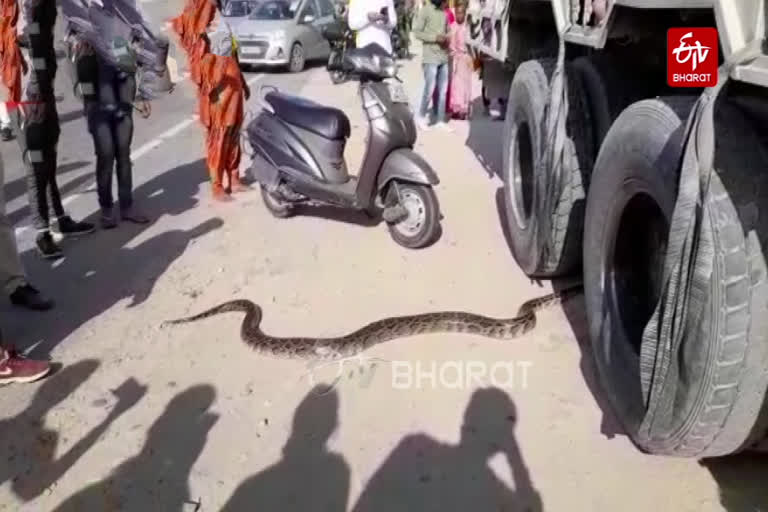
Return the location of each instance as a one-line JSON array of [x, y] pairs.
[[461, 67]]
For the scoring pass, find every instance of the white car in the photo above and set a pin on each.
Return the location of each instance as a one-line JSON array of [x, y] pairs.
[[285, 33]]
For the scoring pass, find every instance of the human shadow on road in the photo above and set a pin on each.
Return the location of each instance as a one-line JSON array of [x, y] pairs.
[[424, 474], [101, 270], [156, 478], [29, 447], [741, 479], [18, 187], [309, 476], [485, 138]]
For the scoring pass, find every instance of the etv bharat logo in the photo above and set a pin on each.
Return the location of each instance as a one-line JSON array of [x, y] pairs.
[[692, 57]]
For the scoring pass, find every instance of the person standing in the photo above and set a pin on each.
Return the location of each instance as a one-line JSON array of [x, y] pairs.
[[38, 127], [461, 67], [223, 92], [12, 276], [109, 94], [430, 28], [373, 20]]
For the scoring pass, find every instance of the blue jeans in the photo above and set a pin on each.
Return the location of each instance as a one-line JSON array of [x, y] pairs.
[[435, 75]]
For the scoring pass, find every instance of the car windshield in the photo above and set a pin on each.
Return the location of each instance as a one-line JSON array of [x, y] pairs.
[[236, 9], [275, 10]]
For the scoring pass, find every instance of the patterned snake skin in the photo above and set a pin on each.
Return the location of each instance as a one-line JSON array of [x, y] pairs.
[[380, 331]]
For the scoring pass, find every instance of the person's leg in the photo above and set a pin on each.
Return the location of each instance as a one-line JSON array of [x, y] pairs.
[[442, 87], [12, 277], [101, 131], [36, 136], [215, 149], [123, 137], [430, 71], [6, 132]]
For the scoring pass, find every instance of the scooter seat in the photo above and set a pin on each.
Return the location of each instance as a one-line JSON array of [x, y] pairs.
[[327, 122]]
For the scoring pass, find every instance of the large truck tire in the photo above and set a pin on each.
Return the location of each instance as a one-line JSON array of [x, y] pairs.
[[720, 393], [607, 90], [524, 144]]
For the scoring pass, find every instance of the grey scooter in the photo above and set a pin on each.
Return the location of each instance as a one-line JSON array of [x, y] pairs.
[[299, 154]]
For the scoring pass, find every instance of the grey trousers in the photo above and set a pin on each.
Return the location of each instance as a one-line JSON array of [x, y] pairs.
[[11, 271]]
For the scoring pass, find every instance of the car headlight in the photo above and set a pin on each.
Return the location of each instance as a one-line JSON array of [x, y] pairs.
[[277, 36]]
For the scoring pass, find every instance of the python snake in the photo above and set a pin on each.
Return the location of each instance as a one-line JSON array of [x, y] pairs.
[[379, 331]]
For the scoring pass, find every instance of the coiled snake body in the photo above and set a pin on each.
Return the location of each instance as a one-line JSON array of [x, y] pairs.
[[379, 331]]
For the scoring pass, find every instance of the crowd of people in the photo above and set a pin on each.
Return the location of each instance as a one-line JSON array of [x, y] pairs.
[[110, 94]]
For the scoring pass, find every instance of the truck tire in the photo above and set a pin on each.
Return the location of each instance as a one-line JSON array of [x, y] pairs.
[[718, 400], [524, 145], [607, 92]]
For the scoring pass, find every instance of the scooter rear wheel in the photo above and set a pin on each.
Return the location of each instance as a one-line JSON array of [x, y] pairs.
[[276, 206], [421, 226]]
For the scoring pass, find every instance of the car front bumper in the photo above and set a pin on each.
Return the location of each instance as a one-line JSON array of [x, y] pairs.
[[263, 53]]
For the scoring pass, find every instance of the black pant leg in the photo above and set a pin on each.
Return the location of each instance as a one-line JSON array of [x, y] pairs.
[[101, 131]]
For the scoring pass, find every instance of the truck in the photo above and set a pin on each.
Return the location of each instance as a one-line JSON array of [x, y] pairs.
[[651, 186]]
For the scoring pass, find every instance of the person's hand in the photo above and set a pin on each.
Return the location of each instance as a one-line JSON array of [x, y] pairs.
[[441, 39], [144, 108]]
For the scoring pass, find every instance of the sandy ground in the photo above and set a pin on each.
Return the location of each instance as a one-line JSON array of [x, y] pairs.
[[188, 418]]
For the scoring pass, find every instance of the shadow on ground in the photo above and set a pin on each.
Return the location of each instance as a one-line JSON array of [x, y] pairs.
[[323, 475], [422, 473], [484, 139], [100, 270], [156, 478], [18, 187], [30, 449], [741, 479]]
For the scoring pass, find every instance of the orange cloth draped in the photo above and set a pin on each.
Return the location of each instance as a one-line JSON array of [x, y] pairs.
[[10, 54], [221, 111]]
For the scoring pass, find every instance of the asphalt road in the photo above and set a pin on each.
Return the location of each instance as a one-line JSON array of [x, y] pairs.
[[154, 143]]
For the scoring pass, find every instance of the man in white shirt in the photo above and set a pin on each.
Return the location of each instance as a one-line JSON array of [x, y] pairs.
[[371, 24]]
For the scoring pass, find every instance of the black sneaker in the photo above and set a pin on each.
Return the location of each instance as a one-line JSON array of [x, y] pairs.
[[132, 214], [69, 227], [108, 220], [6, 134], [27, 296], [47, 247]]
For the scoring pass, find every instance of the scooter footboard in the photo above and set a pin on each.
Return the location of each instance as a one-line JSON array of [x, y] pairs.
[[406, 165]]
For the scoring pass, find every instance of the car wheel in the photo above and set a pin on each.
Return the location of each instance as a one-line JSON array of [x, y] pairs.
[[297, 58]]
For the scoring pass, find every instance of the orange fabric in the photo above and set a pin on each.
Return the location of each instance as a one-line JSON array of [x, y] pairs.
[[198, 50], [221, 111], [10, 54]]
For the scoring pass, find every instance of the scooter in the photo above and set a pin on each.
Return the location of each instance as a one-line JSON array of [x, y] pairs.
[[298, 153], [341, 39]]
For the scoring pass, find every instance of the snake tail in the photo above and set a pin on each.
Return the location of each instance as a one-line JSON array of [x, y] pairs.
[[239, 305]]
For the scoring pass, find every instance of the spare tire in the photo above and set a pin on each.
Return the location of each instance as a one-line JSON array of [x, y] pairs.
[[524, 142], [715, 408]]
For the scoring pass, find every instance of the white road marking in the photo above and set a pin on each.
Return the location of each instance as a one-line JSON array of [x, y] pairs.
[[141, 151]]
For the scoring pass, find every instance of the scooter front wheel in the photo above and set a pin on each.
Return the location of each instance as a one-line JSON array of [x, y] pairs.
[[276, 206], [420, 226]]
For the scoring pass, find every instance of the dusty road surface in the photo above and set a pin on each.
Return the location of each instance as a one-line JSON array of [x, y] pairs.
[[189, 419]]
